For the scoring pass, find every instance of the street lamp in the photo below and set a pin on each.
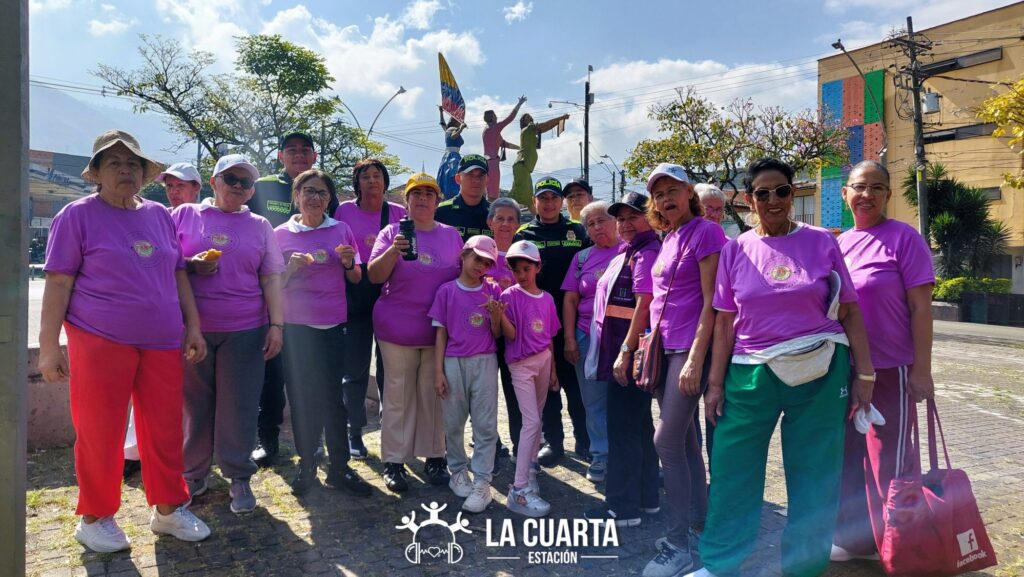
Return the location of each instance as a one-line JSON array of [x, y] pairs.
[[838, 45], [622, 178], [401, 90], [366, 150], [612, 173]]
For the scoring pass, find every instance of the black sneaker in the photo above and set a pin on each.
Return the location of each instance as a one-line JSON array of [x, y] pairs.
[[603, 513], [436, 470], [549, 455], [131, 467], [321, 459], [265, 453], [583, 452], [350, 481], [394, 477], [356, 448], [502, 449], [305, 480]]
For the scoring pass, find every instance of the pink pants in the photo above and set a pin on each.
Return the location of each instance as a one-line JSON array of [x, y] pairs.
[[104, 377], [531, 378], [871, 462]]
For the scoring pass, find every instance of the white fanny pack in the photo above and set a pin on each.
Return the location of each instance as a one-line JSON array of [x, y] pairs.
[[800, 367]]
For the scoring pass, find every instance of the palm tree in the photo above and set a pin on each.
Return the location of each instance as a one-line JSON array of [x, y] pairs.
[[966, 236]]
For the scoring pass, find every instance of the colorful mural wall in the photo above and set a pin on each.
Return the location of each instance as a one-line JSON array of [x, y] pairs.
[[849, 101]]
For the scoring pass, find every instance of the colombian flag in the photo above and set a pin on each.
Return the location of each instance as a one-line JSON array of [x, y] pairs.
[[451, 97]]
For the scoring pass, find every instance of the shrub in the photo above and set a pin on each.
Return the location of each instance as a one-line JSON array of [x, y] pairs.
[[951, 290]]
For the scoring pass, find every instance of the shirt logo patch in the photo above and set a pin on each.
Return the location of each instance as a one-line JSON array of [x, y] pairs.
[[369, 240], [658, 267], [537, 325], [570, 235], [320, 256], [476, 320], [143, 248], [781, 273], [426, 259], [220, 239]]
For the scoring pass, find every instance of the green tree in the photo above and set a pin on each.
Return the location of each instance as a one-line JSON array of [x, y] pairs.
[[958, 222], [1006, 110], [715, 144]]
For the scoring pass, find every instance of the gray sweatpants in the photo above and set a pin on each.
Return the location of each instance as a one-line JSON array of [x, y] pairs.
[[473, 392], [222, 402]]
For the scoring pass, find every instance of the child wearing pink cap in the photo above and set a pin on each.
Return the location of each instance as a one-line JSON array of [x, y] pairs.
[[529, 323], [466, 315]]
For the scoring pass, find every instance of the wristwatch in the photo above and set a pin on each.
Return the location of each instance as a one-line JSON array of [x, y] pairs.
[[625, 348]]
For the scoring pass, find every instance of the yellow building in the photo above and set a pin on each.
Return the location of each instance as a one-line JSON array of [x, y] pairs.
[[967, 57]]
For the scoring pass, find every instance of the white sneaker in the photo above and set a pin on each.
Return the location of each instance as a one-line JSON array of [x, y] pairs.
[[840, 555], [702, 572], [532, 481], [479, 498], [181, 524], [102, 536], [460, 483], [527, 502], [669, 562]]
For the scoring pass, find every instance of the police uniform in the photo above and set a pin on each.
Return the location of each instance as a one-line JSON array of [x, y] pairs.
[[468, 220]]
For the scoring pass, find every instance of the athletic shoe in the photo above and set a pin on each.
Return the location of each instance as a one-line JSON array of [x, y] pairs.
[[461, 484], [650, 510], [526, 502], [841, 555], [242, 499], [356, 448], [596, 471], [181, 524], [692, 537], [669, 562], [702, 572], [102, 535], [583, 452], [549, 455], [304, 480], [265, 452], [436, 470], [347, 479], [479, 498], [196, 487], [604, 513], [320, 456], [394, 477]]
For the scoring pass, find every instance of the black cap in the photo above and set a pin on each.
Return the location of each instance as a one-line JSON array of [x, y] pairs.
[[578, 182], [295, 134], [633, 200]]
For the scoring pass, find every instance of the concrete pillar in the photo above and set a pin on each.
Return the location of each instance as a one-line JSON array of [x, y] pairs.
[[14, 206]]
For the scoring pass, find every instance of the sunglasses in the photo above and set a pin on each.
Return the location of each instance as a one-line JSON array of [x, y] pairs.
[[231, 180], [781, 191]]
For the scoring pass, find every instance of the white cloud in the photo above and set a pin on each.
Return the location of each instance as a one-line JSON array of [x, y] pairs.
[[38, 6], [420, 13], [518, 11], [212, 25], [108, 7], [111, 27]]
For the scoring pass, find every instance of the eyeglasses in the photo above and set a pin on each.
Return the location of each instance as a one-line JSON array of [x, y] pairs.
[[310, 192], [781, 191], [860, 188], [713, 210], [231, 180]]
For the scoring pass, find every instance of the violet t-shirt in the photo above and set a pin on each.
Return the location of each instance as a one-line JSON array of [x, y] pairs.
[[462, 312], [366, 225], [315, 294], [231, 299], [124, 264], [400, 315], [501, 273], [689, 244], [779, 286], [535, 319], [583, 280], [885, 261]]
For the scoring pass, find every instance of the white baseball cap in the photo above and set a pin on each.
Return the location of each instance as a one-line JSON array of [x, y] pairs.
[[231, 160], [523, 249], [182, 170], [665, 169]]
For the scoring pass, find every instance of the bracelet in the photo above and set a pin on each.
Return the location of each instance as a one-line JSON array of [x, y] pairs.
[[348, 267], [278, 325], [862, 377]]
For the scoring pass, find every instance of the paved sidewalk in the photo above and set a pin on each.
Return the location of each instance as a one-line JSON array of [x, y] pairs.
[[980, 381]]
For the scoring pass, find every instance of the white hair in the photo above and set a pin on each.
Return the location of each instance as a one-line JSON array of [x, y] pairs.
[[596, 206], [502, 202], [706, 191]]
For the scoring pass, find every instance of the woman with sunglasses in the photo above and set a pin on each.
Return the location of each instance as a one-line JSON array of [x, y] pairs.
[[786, 326], [234, 266], [891, 266]]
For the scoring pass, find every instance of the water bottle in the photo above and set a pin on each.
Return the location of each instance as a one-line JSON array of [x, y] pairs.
[[408, 229]]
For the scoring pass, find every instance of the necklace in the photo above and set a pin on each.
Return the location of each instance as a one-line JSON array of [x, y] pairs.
[[790, 228]]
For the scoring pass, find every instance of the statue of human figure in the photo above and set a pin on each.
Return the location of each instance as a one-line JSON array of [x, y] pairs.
[[526, 159], [494, 145], [449, 167]]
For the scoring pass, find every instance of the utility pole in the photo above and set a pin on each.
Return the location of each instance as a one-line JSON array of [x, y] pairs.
[[913, 48], [588, 99], [622, 184], [582, 165]]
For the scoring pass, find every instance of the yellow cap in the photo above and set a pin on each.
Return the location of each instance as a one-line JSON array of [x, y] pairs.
[[422, 179]]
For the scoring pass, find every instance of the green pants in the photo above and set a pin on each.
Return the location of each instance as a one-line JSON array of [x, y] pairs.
[[522, 185], [813, 426]]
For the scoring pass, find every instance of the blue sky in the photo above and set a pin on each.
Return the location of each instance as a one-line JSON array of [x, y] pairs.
[[641, 51]]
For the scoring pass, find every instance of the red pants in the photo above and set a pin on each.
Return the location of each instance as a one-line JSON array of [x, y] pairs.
[[104, 377], [872, 461]]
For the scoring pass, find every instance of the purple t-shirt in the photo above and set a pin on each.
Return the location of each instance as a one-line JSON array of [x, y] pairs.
[[315, 294], [779, 286], [461, 311], [535, 319], [231, 299], [689, 244], [584, 280], [400, 315], [885, 261], [124, 262], [501, 274], [365, 225]]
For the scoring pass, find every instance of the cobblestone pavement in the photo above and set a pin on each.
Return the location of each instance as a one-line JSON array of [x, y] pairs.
[[980, 383]]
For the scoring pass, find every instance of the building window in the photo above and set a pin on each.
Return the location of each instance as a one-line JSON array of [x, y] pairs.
[[993, 193], [803, 207]]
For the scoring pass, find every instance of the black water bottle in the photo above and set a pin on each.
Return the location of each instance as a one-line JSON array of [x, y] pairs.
[[408, 229]]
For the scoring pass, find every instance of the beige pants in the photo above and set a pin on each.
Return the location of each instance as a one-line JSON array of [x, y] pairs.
[[412, 425]]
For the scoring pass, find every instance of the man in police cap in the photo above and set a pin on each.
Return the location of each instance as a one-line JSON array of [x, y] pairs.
[[558, 239], [467, 211]]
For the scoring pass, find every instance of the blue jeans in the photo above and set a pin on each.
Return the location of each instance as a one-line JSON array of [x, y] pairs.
[[595, 401]]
